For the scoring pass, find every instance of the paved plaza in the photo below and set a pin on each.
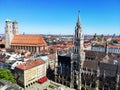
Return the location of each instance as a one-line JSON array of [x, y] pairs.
[[48, 85]]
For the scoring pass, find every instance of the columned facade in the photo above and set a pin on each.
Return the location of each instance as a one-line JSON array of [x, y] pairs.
[[35, 49]]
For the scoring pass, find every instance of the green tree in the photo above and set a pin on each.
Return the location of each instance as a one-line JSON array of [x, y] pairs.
[[6, 74]]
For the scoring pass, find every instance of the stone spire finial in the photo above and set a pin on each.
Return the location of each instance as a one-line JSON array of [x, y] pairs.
[[78, 22]]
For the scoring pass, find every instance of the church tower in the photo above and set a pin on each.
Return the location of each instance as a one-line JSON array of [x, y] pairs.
[[78, 57], [8, 33], [15, 27]]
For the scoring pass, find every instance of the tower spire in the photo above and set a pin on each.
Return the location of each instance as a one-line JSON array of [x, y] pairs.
[[78, 56], [78, 22]]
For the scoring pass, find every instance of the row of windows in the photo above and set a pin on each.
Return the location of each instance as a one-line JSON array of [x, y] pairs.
[[30, 48], [89, 58], [111, 50]]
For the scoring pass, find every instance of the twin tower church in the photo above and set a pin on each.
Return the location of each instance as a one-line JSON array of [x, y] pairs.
[[31, 42], [11, 29]]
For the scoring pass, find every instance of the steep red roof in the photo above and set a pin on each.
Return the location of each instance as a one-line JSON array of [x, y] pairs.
[[116, 38], [30, 64], [113, 46], [28, 40], [2, 42]]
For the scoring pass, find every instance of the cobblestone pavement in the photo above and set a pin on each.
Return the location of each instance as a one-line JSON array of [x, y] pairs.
[[46, 86]]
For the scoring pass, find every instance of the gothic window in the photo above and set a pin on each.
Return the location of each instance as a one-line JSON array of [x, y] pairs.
[[77, 33], [84, 69], [75, 50], [86, 58]]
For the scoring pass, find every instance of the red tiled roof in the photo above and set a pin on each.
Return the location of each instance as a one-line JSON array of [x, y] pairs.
[[116, 38], [2, 42], [28, 40], [30, 64], [113, 46], [61, 46], [44, 51]]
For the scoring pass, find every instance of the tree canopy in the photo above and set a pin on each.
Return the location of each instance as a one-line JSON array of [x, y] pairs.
[[6, 74]]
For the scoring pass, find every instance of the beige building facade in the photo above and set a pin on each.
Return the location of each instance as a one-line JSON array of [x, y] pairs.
[[29, 72]]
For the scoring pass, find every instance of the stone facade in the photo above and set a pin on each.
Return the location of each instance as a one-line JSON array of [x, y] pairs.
[[8, 33], [78, 57], [15, 27], [88, 69], [28, 73]]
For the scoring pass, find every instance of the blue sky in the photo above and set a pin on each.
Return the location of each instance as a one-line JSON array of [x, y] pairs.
[[60, 16]]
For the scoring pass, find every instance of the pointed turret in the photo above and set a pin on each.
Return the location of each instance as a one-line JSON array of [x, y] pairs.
[[79, 37], [78, 22]]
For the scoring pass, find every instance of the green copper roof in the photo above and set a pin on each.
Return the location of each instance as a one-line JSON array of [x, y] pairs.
[[7, 20], [15, 22]]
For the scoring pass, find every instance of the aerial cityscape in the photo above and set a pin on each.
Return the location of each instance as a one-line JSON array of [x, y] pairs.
[[59, 45]]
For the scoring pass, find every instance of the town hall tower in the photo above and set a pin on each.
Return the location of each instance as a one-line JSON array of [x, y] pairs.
[[77, 57]]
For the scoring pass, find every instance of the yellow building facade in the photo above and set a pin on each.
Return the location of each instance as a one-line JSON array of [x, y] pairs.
[[30, 72]]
